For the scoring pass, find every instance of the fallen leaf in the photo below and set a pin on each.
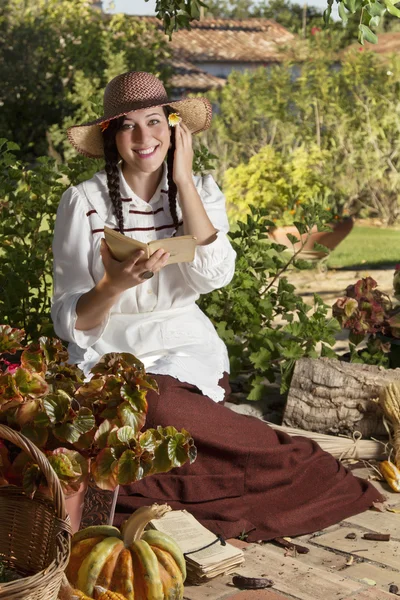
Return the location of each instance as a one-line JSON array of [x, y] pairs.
[[368, 581], [379, 506]]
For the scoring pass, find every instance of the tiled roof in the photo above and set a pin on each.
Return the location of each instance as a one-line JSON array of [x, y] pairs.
[[189, 77], [388, 43], [229, 40]]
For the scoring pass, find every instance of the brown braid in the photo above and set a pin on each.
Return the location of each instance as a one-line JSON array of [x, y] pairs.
[[111, 168], [172, 189]]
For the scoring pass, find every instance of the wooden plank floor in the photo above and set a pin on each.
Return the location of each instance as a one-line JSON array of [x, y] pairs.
[[336, 568]]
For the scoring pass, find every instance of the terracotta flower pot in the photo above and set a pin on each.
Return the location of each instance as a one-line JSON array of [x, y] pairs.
[[74, 504], [330, 239]]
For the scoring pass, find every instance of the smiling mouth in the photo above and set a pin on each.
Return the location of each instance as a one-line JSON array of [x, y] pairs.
[[147, 152]]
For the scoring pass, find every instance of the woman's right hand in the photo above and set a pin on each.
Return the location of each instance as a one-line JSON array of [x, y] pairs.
[[121, 276]]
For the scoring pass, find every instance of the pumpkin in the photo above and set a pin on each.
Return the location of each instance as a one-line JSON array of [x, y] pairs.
[[138, 564]]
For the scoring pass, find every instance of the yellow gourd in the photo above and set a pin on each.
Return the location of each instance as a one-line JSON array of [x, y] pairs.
[[389, 400], [134, 563]]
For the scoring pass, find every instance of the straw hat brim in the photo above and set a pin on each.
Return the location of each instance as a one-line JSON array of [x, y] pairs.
[[88, 139]]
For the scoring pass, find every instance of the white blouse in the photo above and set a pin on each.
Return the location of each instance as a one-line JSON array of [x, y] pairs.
[[158, 321]]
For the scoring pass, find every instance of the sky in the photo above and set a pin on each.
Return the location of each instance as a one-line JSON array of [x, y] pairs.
[[140, 7]]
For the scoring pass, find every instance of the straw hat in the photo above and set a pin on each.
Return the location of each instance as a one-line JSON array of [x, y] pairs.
[[134, 91]]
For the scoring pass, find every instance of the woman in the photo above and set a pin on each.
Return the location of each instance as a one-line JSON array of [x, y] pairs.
[[247, 477]]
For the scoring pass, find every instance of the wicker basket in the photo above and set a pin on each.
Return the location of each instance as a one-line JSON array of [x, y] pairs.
[[35, 534]]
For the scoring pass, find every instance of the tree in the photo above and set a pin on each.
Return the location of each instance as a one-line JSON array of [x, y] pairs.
[[44, 44], [366, 14], [291, 16]]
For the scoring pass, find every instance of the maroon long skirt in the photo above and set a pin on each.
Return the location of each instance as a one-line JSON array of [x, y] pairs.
[[247, 476]]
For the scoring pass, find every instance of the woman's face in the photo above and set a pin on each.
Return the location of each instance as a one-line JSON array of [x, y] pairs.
[[143, 139]]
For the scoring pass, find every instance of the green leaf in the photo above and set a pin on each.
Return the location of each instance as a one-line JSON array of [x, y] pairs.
[[57, 406], [257, 392], [84, 421], [129, 416], [342, 13], [162, 462], [37, 435], [367, 34], [301, 227], [148, 441], [292, 238], [376, 9], [31, 478], [129, 469], [125, 434], [102, 433], [392, 8], [71, 431], [178, 448]]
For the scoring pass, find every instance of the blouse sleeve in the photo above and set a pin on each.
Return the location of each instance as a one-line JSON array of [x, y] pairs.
[[214, 264], [73, 255]]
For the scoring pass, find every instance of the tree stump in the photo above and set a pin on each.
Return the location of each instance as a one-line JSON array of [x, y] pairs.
[[330, 396]]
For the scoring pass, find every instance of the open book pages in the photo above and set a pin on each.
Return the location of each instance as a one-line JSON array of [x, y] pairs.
[[206, 557], [181, 248]]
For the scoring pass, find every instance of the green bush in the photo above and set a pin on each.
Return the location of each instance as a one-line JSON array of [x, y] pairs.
[[265, 324], [282, 185], [29, 197], [348, 110]]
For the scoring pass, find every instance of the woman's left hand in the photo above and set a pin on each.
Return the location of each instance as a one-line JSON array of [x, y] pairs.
[[183, 158]]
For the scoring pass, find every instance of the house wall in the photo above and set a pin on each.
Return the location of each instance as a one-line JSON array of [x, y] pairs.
[[222, 69]]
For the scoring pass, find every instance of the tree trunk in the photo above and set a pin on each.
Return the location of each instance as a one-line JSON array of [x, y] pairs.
[[330, 396]]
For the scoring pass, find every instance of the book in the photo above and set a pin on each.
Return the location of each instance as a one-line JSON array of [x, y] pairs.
[[181, 248], [205, 554]]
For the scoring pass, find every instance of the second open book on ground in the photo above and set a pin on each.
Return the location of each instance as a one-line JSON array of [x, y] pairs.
[[181, 249]]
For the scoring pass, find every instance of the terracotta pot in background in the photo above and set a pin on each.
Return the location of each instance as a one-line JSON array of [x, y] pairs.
[[74, 504], [330, 239]]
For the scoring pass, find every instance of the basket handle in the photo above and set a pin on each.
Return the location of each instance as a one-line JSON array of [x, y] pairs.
[[40, 459]]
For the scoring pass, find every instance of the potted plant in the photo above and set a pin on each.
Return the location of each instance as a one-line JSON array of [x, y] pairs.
[[82, 426], [373, 321]]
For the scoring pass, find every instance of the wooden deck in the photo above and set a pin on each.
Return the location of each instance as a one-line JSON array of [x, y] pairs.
[[335, 568]]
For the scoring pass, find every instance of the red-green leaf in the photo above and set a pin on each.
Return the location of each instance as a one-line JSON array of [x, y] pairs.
[[57, 406], [104, 470], [27, 412], [126, 434], [33, 359], [129, 416], [10, 339], [31, 479], [37, 435], [30, 384], [129, 469], [62, 465], [102, 433]]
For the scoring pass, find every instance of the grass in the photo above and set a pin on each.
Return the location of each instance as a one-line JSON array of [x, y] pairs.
[[367, 247]]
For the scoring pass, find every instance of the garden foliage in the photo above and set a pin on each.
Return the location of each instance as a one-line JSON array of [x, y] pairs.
[[81, 425], [266, 325], [349, 112], [53, 50], [372, 319]]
